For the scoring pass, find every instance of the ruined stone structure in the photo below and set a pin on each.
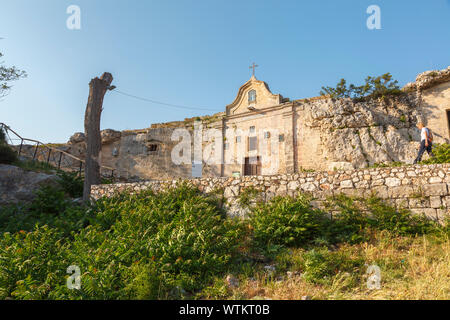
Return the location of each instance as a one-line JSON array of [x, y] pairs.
[[424, 189], [259, 126]]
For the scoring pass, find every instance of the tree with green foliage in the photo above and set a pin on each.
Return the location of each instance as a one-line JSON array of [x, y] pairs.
[[341, 90], [7, 75], [374, 87]]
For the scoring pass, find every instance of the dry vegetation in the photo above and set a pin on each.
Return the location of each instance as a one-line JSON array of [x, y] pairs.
[[411, 268]]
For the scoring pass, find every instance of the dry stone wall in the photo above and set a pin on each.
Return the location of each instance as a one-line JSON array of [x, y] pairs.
[[422, 188]]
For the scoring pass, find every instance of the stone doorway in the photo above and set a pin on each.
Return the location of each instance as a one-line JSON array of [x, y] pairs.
[[252, 166]]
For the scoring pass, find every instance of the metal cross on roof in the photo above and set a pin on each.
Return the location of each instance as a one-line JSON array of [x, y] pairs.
[[253, 66]]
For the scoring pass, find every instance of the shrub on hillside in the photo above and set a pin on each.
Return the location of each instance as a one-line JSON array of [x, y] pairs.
[[7, 155], [170, 244], [31, 263], [399, 221], [289, 222], [348, 222], [441, 154], [178, 239], [71, 183], [320, 265], [49, 200], [50, 207], [286, 221], [2, 136], [354, 217]]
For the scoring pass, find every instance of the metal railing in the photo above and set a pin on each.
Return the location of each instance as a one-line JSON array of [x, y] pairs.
[[35, 150]]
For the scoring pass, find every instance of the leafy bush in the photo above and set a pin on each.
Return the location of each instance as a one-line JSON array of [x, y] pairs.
[[50, 207], [174, 243], [441, 154], [355, 217], [348, 222], [71, 183], [135, 246], [398, 221], [286, 221], [49, 200], [2, 136], [374, 87], [31, 263], [319, 265], [247, 196], [7, 155]]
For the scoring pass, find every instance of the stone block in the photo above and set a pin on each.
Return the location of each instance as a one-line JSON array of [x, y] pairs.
[[401, 203], [352, 192], [347, 184], [438, 189], [400, 191], [435, 180], [446, 201], [293, 185], [419, 202], [435, 202], [430, 213], [380, 191], [393, 182], [308, 187], [442, 214]]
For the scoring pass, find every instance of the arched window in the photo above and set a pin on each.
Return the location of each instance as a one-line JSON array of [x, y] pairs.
[[252, 96]]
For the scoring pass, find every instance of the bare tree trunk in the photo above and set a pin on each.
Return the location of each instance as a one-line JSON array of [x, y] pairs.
[[97, 90]]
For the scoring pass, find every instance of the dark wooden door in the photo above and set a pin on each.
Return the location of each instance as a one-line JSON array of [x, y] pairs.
[[252, 166]]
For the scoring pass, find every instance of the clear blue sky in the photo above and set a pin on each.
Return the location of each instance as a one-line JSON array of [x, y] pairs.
[[197, 53]]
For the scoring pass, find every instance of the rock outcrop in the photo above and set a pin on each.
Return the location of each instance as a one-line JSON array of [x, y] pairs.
[[18, 185], [428, 79], [77, 137], [110, 136], [359, 134]]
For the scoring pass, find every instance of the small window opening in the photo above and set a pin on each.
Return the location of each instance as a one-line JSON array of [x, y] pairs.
[[252, 96], [153, 148]]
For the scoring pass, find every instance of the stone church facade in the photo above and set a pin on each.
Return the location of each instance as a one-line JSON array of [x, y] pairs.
[[262, 133]]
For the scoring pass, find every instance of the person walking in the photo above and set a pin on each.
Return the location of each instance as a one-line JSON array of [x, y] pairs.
[[426, 142]]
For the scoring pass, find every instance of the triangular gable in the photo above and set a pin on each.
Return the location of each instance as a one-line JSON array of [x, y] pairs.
[[264, 98]]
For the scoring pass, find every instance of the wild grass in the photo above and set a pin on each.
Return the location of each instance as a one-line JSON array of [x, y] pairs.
[[415, 268], [35, 166]]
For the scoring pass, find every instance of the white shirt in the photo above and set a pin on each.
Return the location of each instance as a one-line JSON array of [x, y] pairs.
[[422, 134]]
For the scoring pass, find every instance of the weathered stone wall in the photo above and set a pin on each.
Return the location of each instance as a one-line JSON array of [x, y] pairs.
[[422, 188], [316, 133]]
